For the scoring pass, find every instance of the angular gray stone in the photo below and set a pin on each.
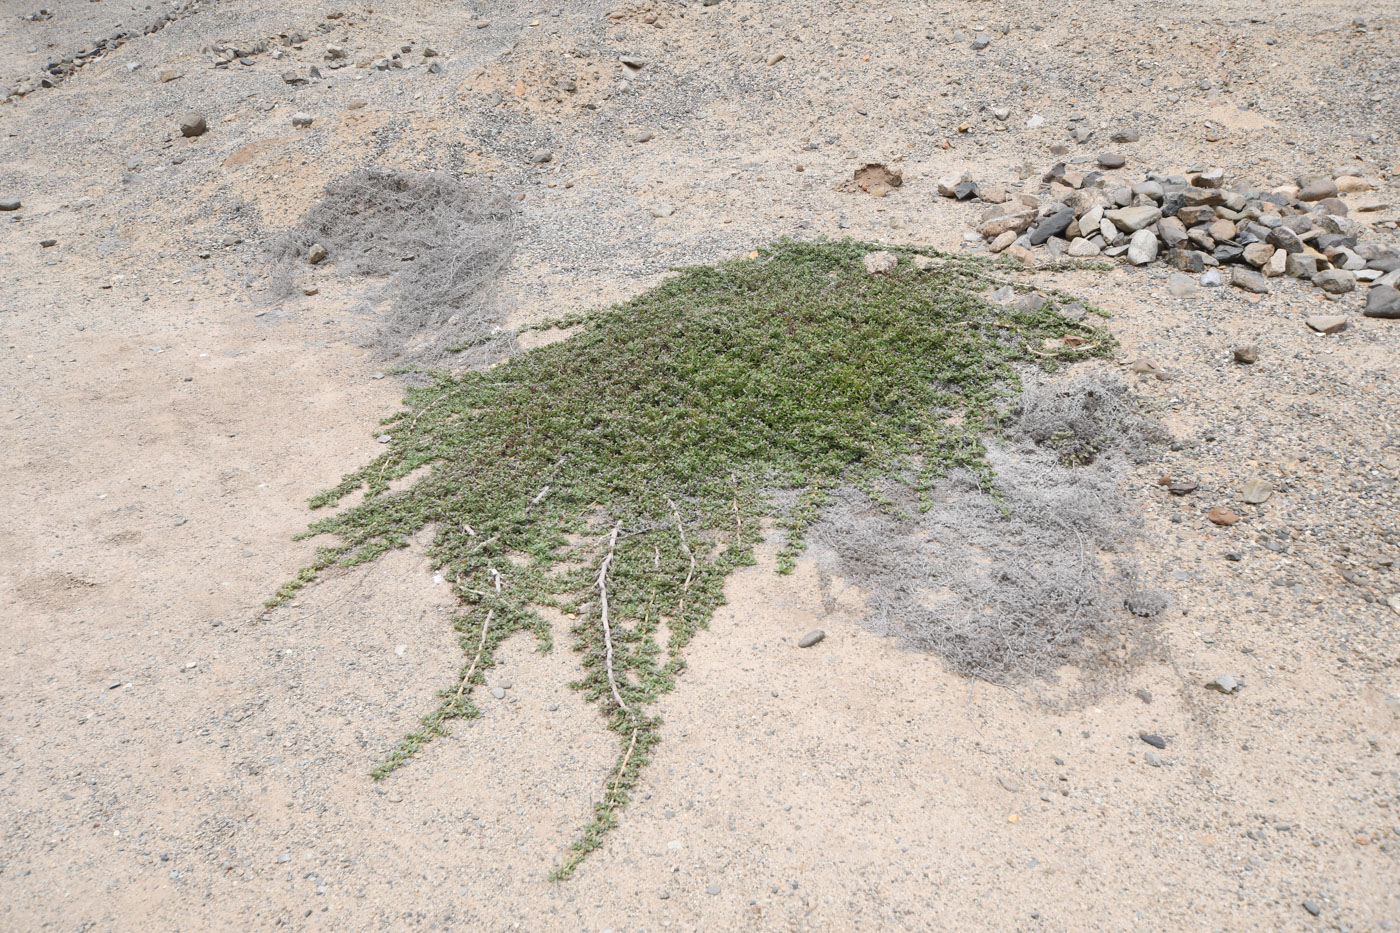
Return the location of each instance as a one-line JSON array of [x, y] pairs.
[[1249, 281], [1172, 231], [1133, 219], [1053, 225], [1142, 248], [1111, 160], [1301, 265], [1182, 285], [1335, 281], [1285, 239], [193, 124], [1383, 302], [1210, 178], [1317, 188]]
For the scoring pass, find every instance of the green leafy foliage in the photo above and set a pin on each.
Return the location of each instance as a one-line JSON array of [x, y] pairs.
[[673, 419]]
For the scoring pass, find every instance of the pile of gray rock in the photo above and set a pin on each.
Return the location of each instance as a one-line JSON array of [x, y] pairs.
[[1212, 232], [60, 69]]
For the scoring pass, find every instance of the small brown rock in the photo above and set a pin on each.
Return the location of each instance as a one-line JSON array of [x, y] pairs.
[[1220, 515], [1246, 353], [316, 254]]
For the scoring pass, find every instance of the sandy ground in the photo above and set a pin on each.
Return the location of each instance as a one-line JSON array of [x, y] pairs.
[[171, 759]]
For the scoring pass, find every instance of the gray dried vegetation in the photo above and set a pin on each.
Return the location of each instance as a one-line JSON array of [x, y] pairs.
[[1014, 586], [440, 244]]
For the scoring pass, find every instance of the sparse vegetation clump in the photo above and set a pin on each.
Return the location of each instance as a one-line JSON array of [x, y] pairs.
[[438, 243], [620, 475]]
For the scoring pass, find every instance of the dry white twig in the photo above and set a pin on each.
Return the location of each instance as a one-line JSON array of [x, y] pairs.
[[481, 646], [607, 629]]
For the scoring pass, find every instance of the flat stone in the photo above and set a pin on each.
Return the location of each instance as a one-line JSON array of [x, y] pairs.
[[1224, 684], [1317, 188], [1211, 278], [1133, 219], [1001, 221], [1153, 759], [1327, 323], [1249, 281], [1124, 134], [1312, 906], [1246, 353], [1156, 741], [1220, 515], [1383, 302], [1111, 160], [811, 638], [498, 692], [302, 119], [541, 156], [10, 204], [1182, 285], [1256, 491]]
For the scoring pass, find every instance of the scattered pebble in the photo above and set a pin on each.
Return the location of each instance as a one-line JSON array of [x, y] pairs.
[[316, 254], [1225, 684], [302, 119], [10, 204], [1151, 738], [811, 638]]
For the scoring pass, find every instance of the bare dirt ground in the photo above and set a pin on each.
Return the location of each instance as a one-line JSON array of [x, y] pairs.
[[172, 760]]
